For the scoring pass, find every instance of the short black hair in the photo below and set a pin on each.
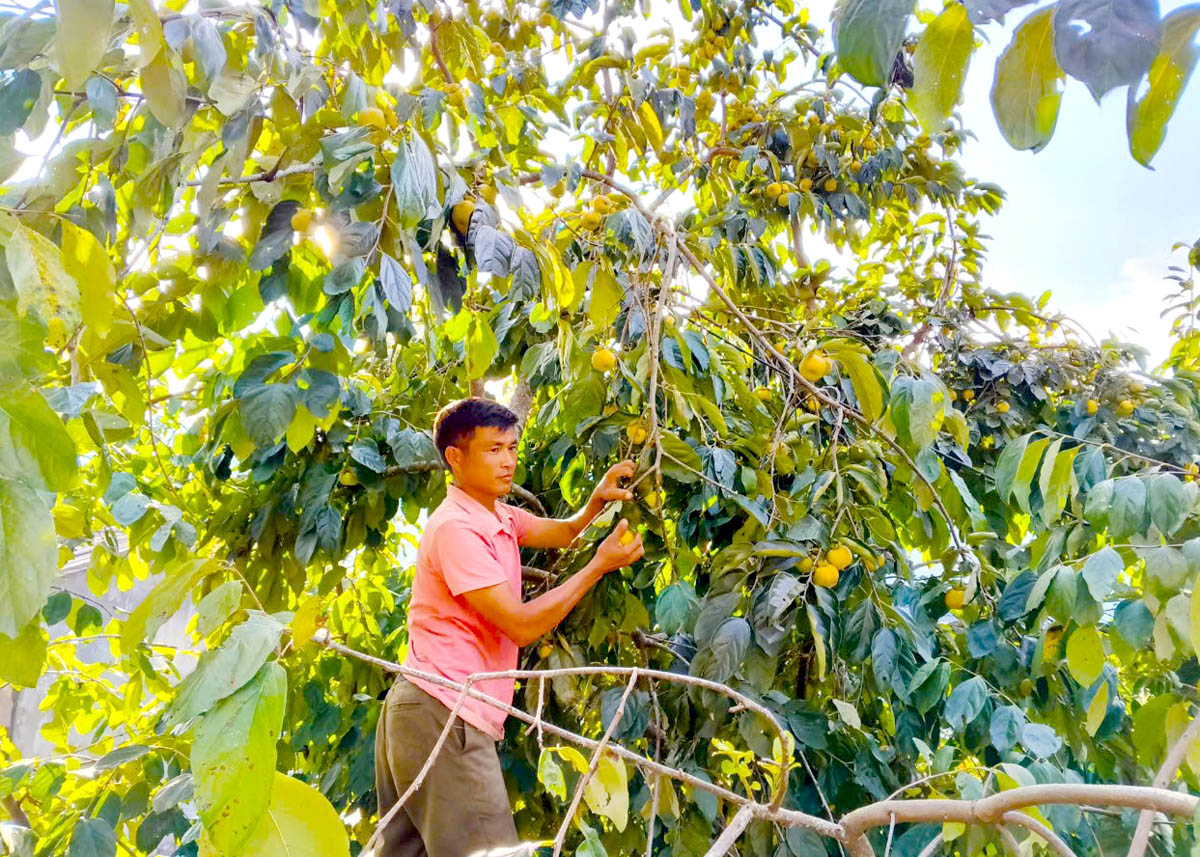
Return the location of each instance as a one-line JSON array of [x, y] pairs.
[[457, 421]]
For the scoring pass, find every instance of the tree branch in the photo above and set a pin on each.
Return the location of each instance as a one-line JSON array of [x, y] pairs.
[[1175, 757], [1051, 838], [736, 827]]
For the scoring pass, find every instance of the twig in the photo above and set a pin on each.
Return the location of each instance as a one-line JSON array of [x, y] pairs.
[[934, 844], [1010, 841], [593, 763], [273, 174]]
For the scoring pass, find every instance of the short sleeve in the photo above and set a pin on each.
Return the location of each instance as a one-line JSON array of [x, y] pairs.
[[466, 558], [523, 521]]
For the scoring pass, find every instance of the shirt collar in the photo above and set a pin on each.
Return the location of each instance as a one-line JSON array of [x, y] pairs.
[[479, 514]]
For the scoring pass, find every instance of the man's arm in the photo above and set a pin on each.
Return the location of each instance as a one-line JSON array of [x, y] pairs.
[[561, 532], [526, 621]]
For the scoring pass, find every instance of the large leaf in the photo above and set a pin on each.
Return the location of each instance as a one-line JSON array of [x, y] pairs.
[[93, 837], [1151, 102], [34, 444], [1167, 502], [868, 35], [727, 648], [863, 376], [1027, 89], [28, 555], [233, 758], [607, 792], [84, 27], [966, 702], [1106, 43], [165, 86], [300, 822], [41, 281], [940, 66], [267, 412], [397, 284], [222, 672]]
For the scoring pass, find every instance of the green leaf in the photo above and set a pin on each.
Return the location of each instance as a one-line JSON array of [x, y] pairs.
[[1168, 566], [1100, 573], [22, 657], [414, 180], [1195, 616], [940, 65], [1057, 488], [1134, 622], [868, 35], [550, 774], [233, 758], [1085, 655], [93, 837], [84, 27], [267, 411], [966, 703], [864, 377], [1064, 590], [222, 672], [677, 607], [34, 444], [727, 649], [1010, 458], [299, 821], [1006, 726], [28, 555], [18, 95], [1127, 513], [1151, 104], [41, 281], [684, 462], [218, 605], [1027, 89], [1025, 471], [162, 602], [1167, 502], [1040, 740]]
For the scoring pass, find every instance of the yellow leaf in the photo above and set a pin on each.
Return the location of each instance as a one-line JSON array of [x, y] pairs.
[[164, 84], [304, 623], [41, 280], [607, 792], [650, 125], [1085, 655], [300, 822], [940, 65], [1027, 89], [149, 30], [87, 261], [605, 302], [84, 27], [300, 431]]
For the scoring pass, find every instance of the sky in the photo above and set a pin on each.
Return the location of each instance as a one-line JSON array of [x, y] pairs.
[[1082, 218]]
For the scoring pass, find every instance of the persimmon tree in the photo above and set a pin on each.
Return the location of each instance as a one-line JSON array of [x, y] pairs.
[[921, 555]]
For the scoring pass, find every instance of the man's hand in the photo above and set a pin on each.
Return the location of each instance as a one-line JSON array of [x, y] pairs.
[[609, 488], [622, 547]]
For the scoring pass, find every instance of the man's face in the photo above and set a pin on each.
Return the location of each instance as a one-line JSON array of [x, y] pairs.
[[487, 461]]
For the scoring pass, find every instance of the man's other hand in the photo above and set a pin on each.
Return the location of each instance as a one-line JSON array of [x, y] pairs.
[[622, 547], [609, 488]]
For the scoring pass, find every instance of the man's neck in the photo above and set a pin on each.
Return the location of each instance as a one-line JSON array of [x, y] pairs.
[[485, 499]]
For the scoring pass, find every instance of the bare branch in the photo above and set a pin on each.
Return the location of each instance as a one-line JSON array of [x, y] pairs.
[[934, 844], [1010, 842]]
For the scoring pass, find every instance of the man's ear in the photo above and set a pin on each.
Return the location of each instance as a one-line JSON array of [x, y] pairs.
[[453, 457]]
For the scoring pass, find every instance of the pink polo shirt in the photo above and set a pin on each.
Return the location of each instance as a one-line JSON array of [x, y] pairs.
[[465, 547]]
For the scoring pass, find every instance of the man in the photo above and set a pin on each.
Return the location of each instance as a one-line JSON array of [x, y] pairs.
[[466, 616]]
